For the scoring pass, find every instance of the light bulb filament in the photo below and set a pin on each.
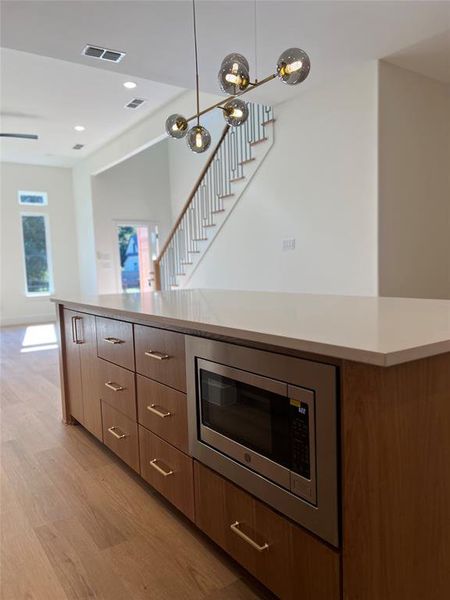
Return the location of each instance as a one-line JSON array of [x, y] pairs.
[[233, 78], [293, 67], [198, 140]]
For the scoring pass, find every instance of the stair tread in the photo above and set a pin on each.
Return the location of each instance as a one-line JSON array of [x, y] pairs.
[[259, 141], [225, 196], [237, 179], [248, 160]]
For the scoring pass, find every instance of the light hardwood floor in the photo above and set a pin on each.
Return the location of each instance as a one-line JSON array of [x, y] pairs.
[[76, 522]]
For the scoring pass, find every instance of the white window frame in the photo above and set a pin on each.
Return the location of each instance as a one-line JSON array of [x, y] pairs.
[[21, 193], [49, 254]]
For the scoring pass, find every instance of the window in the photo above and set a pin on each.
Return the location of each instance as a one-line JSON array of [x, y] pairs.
[[38, 276], [33, 198]]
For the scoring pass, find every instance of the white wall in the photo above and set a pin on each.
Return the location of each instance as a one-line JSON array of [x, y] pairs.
[[148, 131], [318, 185], [414, 184], [135, 190], [16, 307]]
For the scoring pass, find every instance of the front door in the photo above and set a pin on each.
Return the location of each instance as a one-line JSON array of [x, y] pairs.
[[138, 247]]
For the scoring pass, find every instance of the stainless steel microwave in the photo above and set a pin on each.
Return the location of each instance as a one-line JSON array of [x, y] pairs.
[[268, 422]]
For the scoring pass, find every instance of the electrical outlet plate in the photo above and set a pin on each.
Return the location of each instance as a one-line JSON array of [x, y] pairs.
[[288, 244]]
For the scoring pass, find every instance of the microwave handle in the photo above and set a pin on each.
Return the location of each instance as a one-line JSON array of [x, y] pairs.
[[258, 381]]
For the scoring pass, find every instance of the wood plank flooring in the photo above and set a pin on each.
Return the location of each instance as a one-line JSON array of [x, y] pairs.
[[77, 523]]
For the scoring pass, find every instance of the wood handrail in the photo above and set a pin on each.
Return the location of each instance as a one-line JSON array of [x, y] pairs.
[[186, 206]]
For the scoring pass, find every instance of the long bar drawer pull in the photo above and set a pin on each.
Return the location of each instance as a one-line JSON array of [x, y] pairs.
[[154, 408], [154, 464], [113, 340], [115, 387], [115, 431], [157, 355], [235, 529]]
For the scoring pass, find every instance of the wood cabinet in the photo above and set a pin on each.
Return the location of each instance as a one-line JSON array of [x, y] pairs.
[[120, 434], [394, 502], [117, 388], [115, 342], [168, 470], [81, 367], [287, 559], [163, 410], [160, 355]]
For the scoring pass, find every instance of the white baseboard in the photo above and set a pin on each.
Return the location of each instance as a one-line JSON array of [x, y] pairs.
[[30, 320]]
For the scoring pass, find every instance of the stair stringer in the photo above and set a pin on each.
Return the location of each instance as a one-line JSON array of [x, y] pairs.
[[260, 150]]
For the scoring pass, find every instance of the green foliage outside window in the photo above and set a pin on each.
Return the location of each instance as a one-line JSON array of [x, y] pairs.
[[125, 233], [36, 260]]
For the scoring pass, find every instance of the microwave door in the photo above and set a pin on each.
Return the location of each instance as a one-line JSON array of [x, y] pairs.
[[246, 417]]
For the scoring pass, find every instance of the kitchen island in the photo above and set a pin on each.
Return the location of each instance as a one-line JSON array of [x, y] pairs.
[[127, 374]]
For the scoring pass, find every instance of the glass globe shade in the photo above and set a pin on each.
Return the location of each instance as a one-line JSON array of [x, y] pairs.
[[198, 139], [235, 112], [236, 57], [176, 126], [293, 66], [233, 77]]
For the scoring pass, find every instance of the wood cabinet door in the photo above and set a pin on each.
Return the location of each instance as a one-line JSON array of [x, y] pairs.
[[163, 410], [86, 334], [73, 388], [168, 470], [117, 388], [120, 434], [288, 560], [160, 355], [115, 342]]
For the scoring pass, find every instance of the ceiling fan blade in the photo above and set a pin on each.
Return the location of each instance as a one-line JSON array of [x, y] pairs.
[[23, 136]]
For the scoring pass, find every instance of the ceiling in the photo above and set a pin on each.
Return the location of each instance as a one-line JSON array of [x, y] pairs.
[[48, 97], [45, 39]]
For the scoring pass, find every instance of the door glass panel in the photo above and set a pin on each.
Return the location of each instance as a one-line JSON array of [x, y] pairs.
[[138, 245]]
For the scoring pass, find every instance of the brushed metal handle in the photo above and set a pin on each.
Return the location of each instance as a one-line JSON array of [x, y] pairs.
[[75, 337], [154, 409], [120, 435], [235, 529], [115, 387], [157, 355], [113, 340], [154, 464]]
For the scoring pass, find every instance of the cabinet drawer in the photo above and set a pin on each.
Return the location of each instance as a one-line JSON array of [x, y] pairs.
[[285, 558], [117, 388], [160, 355], [120, 434], [163, 410], [168, 470], [115, 342]]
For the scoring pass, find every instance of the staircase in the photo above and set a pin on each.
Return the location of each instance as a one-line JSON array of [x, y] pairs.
[[224, 178]]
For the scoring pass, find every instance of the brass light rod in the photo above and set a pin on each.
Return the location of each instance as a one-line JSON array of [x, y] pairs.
[[252, 86]]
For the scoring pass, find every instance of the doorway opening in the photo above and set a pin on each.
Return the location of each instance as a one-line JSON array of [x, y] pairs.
[[138, 246]]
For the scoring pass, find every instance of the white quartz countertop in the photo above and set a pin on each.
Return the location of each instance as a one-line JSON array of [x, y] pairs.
[[379, 331]]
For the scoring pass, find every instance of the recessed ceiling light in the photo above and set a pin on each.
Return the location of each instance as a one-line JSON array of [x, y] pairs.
[[79, 127], [130, 85]]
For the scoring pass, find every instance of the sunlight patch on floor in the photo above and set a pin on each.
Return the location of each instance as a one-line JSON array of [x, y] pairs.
[[39, 337]]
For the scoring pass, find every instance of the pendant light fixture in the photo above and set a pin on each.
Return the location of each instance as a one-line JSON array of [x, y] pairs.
[[292, 68]]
